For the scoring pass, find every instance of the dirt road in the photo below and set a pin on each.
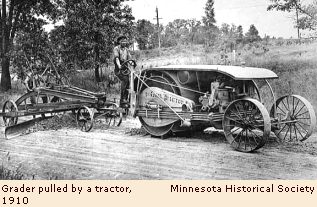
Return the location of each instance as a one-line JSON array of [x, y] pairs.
[[118, 153]]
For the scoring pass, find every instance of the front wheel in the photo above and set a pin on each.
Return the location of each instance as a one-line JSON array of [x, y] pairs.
[[296, 118], [246, 124]]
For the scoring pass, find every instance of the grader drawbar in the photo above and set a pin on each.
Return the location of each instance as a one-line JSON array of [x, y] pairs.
[[180, 98]]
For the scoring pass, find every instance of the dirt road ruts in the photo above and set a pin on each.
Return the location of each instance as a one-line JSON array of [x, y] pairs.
[[115, 154]]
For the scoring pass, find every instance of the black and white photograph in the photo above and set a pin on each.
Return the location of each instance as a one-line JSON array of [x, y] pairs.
[[158, 89]]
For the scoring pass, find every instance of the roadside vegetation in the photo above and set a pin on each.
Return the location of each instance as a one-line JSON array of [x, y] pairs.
[[6, 173]]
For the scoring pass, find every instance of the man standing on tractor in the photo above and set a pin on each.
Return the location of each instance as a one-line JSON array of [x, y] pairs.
[[121, 54]]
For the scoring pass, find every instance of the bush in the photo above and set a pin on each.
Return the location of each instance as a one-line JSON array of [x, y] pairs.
[[85, 79]]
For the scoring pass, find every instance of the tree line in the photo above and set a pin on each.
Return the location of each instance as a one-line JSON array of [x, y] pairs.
[[89, 29], [192, 31]]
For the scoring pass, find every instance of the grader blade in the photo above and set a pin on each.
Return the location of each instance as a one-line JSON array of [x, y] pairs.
[[21, 128]]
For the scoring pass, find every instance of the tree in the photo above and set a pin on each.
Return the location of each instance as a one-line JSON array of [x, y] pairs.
[[209, 20], [209, 23], [145, 34], [240, 35], [193, 27], [309, 17], [31, 46], [90, 30], [306, 14], [253, 34], [225, 29], [229, 35], [175, 32], [19, 15]]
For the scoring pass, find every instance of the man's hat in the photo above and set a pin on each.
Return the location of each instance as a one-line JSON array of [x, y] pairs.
[[120, 38]]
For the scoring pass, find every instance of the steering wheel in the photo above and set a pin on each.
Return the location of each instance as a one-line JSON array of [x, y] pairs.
[[125, 70]]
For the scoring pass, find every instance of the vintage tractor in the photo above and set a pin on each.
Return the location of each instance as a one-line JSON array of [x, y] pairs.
[[185, 97]]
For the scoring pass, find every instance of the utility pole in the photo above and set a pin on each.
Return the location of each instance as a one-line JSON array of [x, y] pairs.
[[158, 27], [297, 24]]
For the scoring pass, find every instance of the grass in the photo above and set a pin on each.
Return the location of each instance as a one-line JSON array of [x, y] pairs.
[[6, 173]]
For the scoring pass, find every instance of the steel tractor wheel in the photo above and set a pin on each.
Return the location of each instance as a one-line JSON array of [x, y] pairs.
[[296, 118], [246, 125], [10, 106], [155, 126]]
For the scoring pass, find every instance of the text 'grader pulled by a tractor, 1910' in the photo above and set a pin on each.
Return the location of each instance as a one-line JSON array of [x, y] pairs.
[[177, 98]]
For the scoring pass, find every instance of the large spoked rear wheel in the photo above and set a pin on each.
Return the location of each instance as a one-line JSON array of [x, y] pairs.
[[246, 124], [296, 118], [10, 106]]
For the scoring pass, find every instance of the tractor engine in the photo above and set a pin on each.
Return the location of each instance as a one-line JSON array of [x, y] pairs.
[[218, 99]]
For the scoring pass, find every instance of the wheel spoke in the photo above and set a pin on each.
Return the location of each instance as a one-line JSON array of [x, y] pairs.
[[233, 120], [302, 128], [295, 131], [283, 112], [293, 104], [245, 109], [245, 143], [298, 101], [233, 131], [299, 131], [304, 123], [299, 110], [250, 145], [255, 136], [229, 125], [285, 105], [290, 132], [236, 115], [288, 106], [281, 130], [302, 113], [234, 138], [237, 112], [239, 142], [286, 133]]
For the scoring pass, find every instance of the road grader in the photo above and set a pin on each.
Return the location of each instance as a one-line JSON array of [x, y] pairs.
[[180, 98]]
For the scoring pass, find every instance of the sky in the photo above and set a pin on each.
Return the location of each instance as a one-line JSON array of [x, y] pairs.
[[238, 12]]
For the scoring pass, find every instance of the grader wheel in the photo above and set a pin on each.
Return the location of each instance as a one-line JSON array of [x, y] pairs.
[[10, 106], [85, 118], [296, 118], [246, 125], [113, 117]]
